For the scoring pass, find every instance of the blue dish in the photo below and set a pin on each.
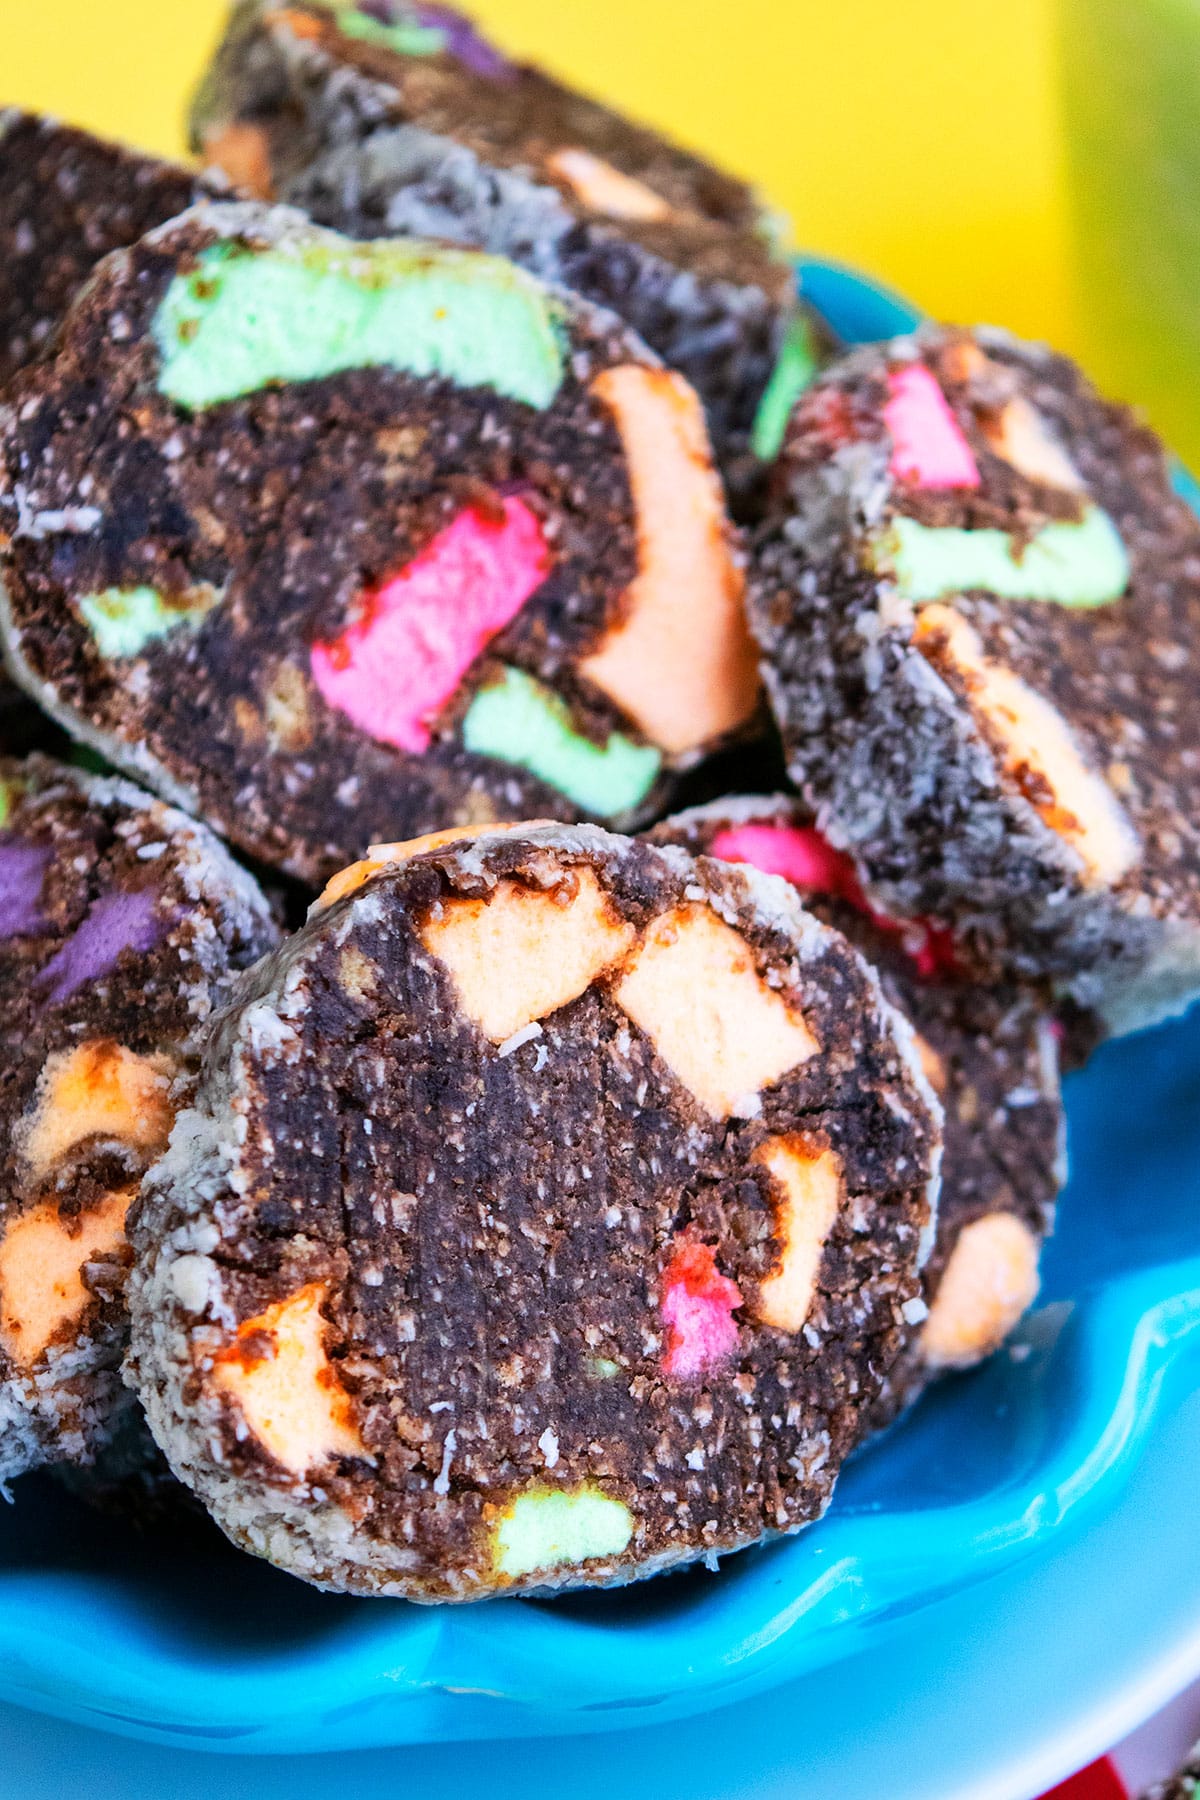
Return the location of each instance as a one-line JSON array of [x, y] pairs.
[[859, 311], [199, 1646], [994, 1694], [212, 1650]]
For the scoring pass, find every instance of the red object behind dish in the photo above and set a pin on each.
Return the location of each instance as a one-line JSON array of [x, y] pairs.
[[1099, 1781]]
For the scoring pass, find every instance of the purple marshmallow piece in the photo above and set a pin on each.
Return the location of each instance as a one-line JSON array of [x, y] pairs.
[[22, 870], [466, 44], [114, 923]]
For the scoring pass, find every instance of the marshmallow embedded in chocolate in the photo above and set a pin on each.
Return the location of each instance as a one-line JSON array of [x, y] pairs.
[[491, 1260]]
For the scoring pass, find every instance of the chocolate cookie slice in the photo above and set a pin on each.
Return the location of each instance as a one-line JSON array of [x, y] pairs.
[[990, 1054], [66, 200], [391, 118], [549, 1215], [336, 542], [978, 601], [121, 926]]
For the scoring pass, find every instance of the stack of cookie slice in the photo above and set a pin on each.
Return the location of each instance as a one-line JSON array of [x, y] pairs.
[[555, 1206]]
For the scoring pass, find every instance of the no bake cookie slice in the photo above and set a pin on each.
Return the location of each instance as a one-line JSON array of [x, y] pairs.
[[991, 1056], [392, 118], [978, 601], [121, 925], [66, 200], [335, 542], [549, 1214]]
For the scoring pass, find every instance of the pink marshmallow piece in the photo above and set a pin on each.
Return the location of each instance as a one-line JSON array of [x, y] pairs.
[[419, 632], [802, 856], [928, 446], [697, 1304], [798, 853]]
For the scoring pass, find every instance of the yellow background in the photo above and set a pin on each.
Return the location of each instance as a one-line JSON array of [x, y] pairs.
[[917, 138]]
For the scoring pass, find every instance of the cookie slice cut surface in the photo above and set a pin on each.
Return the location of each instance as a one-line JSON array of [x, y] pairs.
[[978, 600], [121, 926], [66, 200], [990, 1053], [404, 119], [470, 1273], [335, 543]]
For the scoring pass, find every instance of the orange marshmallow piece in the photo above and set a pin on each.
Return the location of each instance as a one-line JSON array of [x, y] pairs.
[[932, 1066], [990, 1282], [692, 987], [523, 953], [1035, 738], [1019, 435], [1017, 432], [603, 189], [98, 1090], [351, 878], [809, 1191], [278, 1373], [964, 360], [42, 1257], [382, 856], [681, 663], [241, 150], [300, 24]]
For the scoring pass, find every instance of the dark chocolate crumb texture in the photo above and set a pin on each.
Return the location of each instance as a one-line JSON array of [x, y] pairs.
[[388, 118], [66, 200], [121, 925], [549, 1214], [990, 1054], [978, 601], [334, 542]]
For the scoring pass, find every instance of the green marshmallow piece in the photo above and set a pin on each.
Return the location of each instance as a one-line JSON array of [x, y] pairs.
[[1073, 565], [10, 793], [124, 620], [406, 37], [520, 721], [544, 1529], [301, 310], [793, 372]]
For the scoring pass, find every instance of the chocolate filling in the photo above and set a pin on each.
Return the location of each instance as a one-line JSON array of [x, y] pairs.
[[69, 845], [286, 505], [996, 1080], [891, 757], [492, 1227]]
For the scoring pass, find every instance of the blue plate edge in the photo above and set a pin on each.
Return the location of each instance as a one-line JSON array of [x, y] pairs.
[[1160, 1324]]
